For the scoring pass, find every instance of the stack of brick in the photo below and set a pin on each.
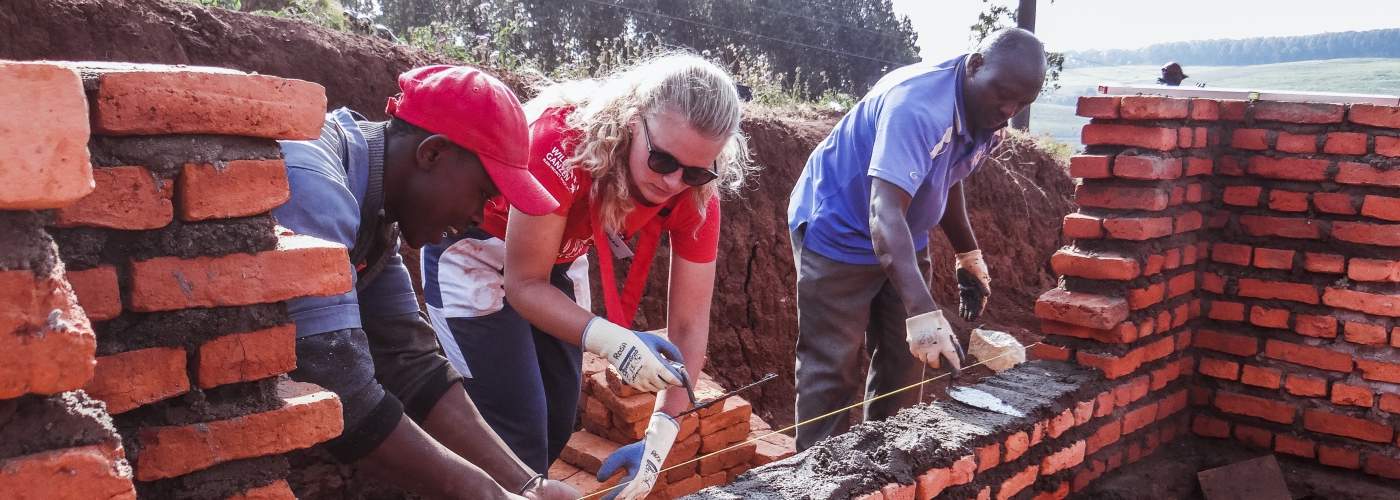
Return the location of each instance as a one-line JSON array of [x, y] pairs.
[[950, 451], [613, 415], [182, 269], [1298, 347], [1263, 235], [55, 441]]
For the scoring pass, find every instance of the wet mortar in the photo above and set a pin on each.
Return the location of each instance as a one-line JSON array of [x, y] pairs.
[[219, 482], [32, 424]]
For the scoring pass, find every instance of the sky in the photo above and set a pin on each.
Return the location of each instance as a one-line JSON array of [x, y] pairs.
[[943, 25]]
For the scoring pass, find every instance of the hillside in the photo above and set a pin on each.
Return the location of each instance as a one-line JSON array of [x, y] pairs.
[[1248, 51]]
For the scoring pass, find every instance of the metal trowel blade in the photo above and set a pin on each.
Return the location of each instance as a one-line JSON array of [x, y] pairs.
[[981, 399]]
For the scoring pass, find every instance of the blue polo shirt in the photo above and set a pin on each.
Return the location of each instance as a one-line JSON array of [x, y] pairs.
[[909, 130], [325, 203]]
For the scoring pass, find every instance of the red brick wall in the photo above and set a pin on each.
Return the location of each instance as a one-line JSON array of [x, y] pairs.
[[1261, 235]]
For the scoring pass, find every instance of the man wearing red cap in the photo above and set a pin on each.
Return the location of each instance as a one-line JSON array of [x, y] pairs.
[[457, 138]]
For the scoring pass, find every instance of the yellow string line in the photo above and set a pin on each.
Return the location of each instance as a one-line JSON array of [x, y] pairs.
[[793, 426]]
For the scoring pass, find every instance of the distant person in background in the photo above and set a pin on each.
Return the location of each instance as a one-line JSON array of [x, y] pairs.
[[1171, 75]]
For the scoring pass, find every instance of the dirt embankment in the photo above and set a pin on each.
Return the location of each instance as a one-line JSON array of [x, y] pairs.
[[1016, 202]]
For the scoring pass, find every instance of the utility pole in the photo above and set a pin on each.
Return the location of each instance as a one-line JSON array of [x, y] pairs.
[[1025, 19]]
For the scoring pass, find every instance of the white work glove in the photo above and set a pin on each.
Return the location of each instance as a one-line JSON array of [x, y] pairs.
[[645, 456], [974, 284], [636, 355], [930, 337]]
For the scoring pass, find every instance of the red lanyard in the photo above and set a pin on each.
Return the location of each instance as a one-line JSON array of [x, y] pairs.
[[622, 310]]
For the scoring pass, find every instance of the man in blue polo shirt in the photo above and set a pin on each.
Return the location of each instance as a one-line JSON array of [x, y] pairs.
[[457, 138], [860, 216]]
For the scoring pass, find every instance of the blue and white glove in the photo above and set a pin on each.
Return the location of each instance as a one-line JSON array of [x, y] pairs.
[[636, 355], [641, 460]]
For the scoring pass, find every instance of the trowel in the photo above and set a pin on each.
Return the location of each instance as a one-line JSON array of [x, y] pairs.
[[700, 405], [977, 398]]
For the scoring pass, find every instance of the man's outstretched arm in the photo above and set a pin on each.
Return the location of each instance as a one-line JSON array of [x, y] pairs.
[[929, 335]]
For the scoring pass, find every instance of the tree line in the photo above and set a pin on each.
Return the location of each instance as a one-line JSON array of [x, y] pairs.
[[1248, 51]]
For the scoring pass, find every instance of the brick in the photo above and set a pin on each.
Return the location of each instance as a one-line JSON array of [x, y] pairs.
[[1250, 138], [1083, 226], [1112, 367], [1288, 201], [1316, 326], [1098, 106], [94, 471], [1146, 167], [1092, 311], [1230, 165], [1369, 303], [1070, 261], [98, 292], [1154, 265], [1343, 394], [1261, 377], [734, 412], [1298, 112], [1211, 367], [1210, 427], [1139, 418], [1308, 356], [128, 198], [1271, 258], [722, 461], [130, 379], [1362, 333], [300, 266], [1268, 318], [635, 408], [1232, 109], [1219, 219], [1160, 139], [1138, 229], [1120, 198], [1106, 435], [1296, 143], [1241, 196], [1060, 423], [1294, 446], [278, 490], [1324, 263], [1306, 387], [1366, 175], [157, 100], [1369, 234], [1379, 370], [1205, 109], [768, 451], [309, 415], [1213, 283], [1254, 436], [238, 189], [988, 456], [1283, 290], [244, 357], [1194, 193], [1383, 466], [1199, 166], [1381, 207], [1014, 484], [1341, 425], [1255, 225], [1090, 166], [1345, 143], [896, 491], [1153, 108], [1202, 138], [1047, 351], [1238, 345], [1189, 221], [43, 136], [40, 352], [1334, 203], [1388, 146], [721, 439], [1240, 404], [1058, 493], [1294, 169], [1141, 298], [1133, 390], [1165, 375], [1226, 311], [874, 495], [1181, 284], [1063, 459], [1171, 404], [585, 482], [1016, 445], [1375, 115], [1374, 270], [1390, 402]]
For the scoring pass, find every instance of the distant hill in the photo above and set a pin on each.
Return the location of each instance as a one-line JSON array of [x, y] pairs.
[[1223, 52]]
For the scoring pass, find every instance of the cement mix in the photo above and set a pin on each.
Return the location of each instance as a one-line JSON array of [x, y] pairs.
[[33, 423]]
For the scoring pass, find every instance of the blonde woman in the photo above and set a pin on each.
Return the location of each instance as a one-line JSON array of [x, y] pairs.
[[640, 153]]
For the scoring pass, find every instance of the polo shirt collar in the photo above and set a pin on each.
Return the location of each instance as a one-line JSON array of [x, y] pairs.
[[959, 114]]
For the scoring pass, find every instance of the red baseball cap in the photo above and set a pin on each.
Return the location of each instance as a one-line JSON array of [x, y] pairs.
[[477, 112]]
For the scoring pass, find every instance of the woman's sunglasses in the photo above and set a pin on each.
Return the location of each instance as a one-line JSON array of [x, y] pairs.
[[663, 163]]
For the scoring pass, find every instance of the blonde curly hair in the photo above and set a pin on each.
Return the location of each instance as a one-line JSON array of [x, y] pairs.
[[604, 108]]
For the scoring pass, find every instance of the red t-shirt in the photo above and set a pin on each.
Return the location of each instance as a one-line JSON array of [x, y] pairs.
[[693, 238]]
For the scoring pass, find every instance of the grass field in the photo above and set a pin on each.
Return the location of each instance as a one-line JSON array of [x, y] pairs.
[[1054, 114]]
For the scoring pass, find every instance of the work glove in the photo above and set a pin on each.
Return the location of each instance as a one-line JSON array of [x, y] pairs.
[[974, 284], [636, 355], [931, 337], [549, 489], [641, 460]]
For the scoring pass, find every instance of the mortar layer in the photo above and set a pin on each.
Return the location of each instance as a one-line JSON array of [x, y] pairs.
[[84, 247], [187, 328], [899, 449], [32, 424], [26, 246], [218, 482], [166, 155]]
